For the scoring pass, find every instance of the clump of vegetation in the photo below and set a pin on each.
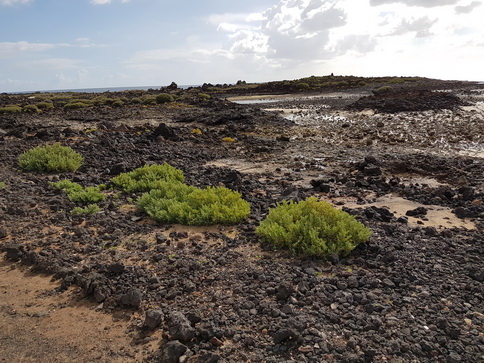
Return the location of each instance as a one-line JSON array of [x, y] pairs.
[[45, 105], [76, 193], [164, 98], [384, 90], [10, 109], [31, 109], [50, 158], [303, 86], [228, 139], [74, 105], [312, 227], [204, 96], [2, 185], [184, 204], [149, 100], [87, 210], [148, 177], [196, 132]]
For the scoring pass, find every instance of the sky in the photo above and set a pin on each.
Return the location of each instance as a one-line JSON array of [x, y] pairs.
[[75, 44]]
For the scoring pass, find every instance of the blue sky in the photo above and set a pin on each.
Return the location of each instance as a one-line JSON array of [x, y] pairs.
[[59, 44]]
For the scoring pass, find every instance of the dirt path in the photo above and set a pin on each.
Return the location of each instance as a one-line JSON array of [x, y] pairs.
[[37, 325]]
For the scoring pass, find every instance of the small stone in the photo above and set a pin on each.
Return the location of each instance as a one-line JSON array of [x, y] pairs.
[[132, 298], [153, 319], [419, 211], [216, 342], [179, 327], [172, 351], [284, 335], [284, 291]]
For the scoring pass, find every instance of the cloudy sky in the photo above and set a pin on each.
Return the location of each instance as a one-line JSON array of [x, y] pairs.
[[60, 44]]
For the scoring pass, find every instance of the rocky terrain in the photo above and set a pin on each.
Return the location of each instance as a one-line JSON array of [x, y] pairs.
[[408, 164]]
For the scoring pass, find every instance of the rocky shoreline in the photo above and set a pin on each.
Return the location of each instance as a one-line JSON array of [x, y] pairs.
[[414, 292]]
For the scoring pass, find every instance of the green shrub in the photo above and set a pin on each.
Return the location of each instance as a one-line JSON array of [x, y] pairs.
[[184, 204], [383, 90], [50, 158], [76, 105], [312, 227], [149, 100], [117, 103], [66, 185], [164, 98], [136, 100], [303, 86], [45, 105], [148, 177], [10, 109], [2, 185], [77, 194], [204, 96], [31, 109], [88, 210]]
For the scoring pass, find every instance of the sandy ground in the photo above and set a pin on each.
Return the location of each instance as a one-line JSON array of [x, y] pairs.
[[39, 325]]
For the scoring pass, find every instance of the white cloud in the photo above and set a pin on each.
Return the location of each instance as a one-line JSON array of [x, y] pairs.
[[466, 9], [421, 3], [9, 49], [13, 2], [421, 26], [103, 2]]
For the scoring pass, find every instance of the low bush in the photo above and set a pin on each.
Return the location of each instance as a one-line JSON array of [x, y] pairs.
[[10, 109], [188, 205], [31, 109], [164, 98], [383, 90], [50, 158], [77, 194], [2, 185], [149, 100], [228, 139], [45, 105], [204, 96], [87, 210], [303, 86], [76, 105], [148, 177], [313, 228]]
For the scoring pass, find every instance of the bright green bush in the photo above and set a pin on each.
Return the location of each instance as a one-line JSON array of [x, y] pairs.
[[50, 158], [164, 98], [10, 109], [87, 210], [77, 194], [188, 205], [312, 227], [148, 177], [2, 185]]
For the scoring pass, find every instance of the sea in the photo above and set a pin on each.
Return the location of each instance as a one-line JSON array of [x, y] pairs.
[[101, 89]]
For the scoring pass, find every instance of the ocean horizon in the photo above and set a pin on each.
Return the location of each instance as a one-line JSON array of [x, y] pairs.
[[101, 89]]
